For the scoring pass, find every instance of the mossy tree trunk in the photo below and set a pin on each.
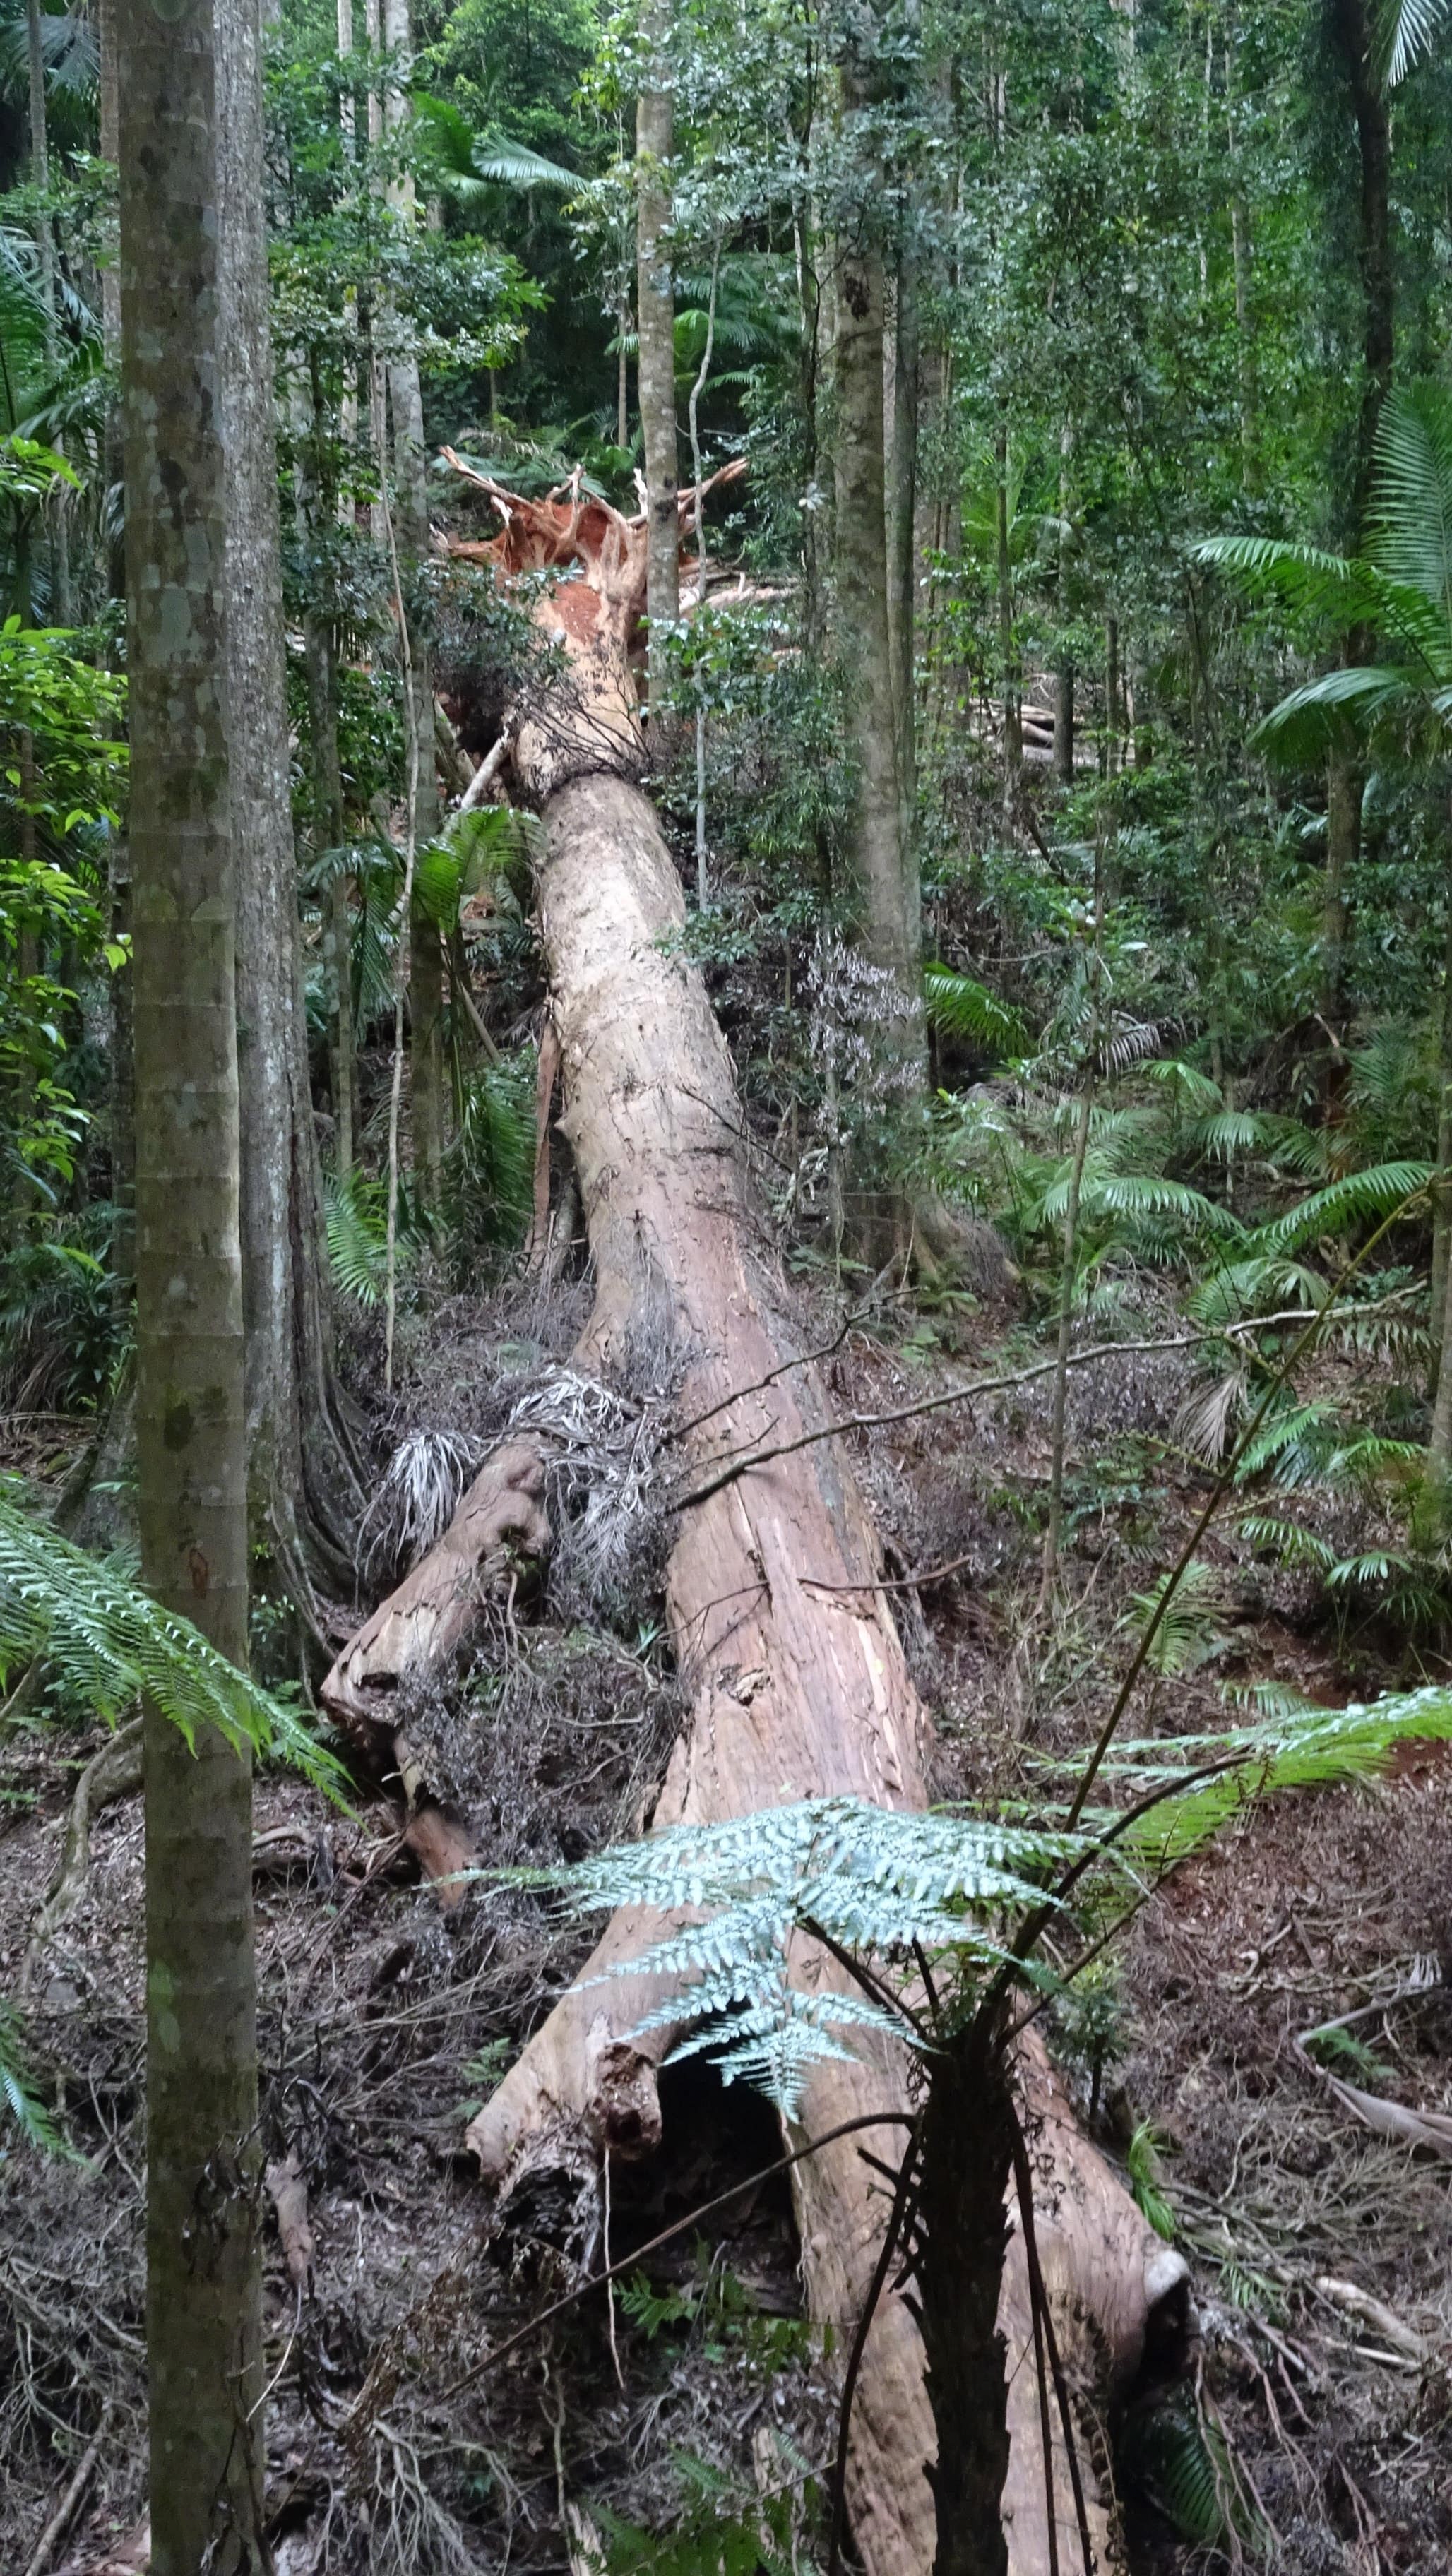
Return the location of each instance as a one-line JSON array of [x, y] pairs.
[[203, 2326]]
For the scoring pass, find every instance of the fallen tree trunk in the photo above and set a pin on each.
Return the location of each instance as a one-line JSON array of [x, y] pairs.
[[797, 1682]]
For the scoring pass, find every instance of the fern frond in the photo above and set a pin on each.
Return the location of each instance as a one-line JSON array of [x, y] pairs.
[[20, 2095], [1306, 1748], [112, 1645], [1358, 1199]]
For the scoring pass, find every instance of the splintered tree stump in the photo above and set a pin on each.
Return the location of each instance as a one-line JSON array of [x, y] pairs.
[[797, 1682]]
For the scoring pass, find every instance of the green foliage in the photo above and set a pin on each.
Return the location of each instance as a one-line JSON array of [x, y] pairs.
[[1173, 2453], [1187, 1635], [20, 2094], [720, 2529], [489, 1168], [891, 1888], [356, 1218], [965, 1009], [109, 1645], [1146, 2182]]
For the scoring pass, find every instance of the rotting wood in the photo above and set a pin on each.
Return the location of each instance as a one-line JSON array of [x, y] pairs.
[[795, 1672], [287, 2189]]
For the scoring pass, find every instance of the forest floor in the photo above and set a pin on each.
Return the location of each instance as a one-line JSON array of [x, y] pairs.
[[702, 2395]]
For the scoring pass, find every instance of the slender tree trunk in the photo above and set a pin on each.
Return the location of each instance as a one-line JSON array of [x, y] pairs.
[[697, 389], [655, 305], [122, 1064], [886, 889], [1241, 259], [305, 1491], [902, 536], [1113, 723], [60, 553], [1064, 721], [1055, 1524], [411, 529], [1007, 638], [1350, 26], [1440, 1447], [203, 2327], [1343, 843]]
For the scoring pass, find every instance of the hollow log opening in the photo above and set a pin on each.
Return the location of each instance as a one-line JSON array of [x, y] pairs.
[[792, 1666]]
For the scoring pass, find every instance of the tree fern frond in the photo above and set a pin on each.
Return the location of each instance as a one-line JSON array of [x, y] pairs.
[[1306, 1748], [112, 1645]]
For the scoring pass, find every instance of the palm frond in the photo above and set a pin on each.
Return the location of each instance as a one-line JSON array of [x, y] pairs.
[[1357, 1200], [1412, 510], [963, 1008], [1331, 591], [1403, 32]]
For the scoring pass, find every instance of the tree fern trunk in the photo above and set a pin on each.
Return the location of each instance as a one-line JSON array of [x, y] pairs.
[[967, 2150], [203, 2290]]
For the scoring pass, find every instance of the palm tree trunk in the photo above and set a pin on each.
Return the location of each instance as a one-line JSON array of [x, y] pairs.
[[203, 2326], [656, 319]]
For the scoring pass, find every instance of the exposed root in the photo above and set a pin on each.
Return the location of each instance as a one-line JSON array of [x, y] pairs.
[[110, 1774]]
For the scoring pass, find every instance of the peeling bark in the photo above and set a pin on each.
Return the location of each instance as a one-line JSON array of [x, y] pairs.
[[795, 1672]]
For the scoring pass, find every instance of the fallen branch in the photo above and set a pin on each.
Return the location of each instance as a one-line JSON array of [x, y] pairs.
[[288, 2191], [65, 2512]]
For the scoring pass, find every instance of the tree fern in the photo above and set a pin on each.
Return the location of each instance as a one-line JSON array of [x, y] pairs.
[[890, 1887]]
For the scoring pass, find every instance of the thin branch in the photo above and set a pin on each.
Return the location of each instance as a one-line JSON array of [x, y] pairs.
[[899, 1583], [996, 1386]]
